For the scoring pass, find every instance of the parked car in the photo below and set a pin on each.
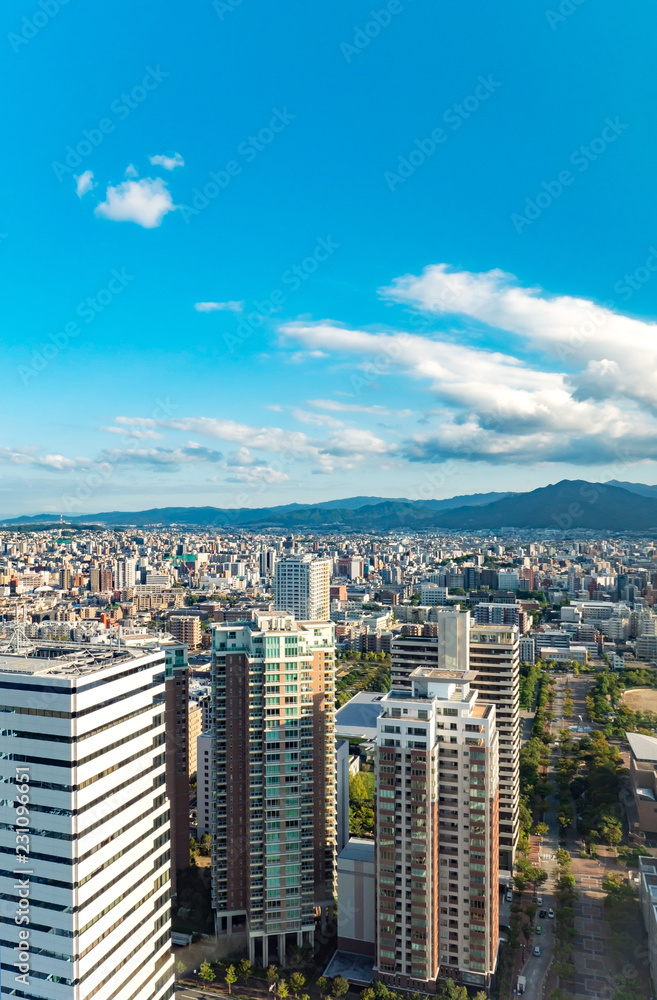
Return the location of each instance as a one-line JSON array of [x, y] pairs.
[[509, 895], [543, 914], [551, 913], [538, 929], [539, 900], [537, 951]]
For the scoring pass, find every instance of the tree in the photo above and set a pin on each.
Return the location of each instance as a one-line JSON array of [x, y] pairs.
[[628, 987], [530, 910], [272, 975], [323, 986], [207, 973], [230, 977], [340, 987], [481, 995], [541, 829], [181, 968], [612, 831], [450, 991], [244, 969], [282, 990], [297, 982]]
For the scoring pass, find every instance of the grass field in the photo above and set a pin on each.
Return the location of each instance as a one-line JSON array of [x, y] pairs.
[[641, 699]]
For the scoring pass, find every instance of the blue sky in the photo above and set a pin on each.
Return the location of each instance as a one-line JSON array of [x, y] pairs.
[[406, 276]]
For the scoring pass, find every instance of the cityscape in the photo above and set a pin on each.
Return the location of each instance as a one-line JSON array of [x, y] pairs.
[[402, 763], [328, 500]]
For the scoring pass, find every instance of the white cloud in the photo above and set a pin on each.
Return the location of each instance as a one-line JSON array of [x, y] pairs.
[[346, 446], [84, 183], [206, 307], [336, 406], [318, 419], [168, 162], [617, 354], [164, 458], [144, 202], [30, 457], [256, 474], [497, 406], [139, 435], [131, 171], [240, 457], [300, 356]]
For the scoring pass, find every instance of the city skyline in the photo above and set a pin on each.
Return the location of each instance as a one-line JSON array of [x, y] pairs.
[[321, 281]]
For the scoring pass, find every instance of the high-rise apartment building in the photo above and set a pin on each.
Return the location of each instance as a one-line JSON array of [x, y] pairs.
[[84, 827], [267, 561], [177, 754], [94, 579], [273, 780], [204, 784], [124, 573], [302, 586], [416, 646], [187, 629], [495, 661], [437, 845], [194, 730]]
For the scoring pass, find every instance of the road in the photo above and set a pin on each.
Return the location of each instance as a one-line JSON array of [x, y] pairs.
[[188, 993], [536, 970]]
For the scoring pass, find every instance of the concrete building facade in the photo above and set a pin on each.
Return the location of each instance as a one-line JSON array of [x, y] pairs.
[[302, 587], [82, 758], [437, 834], [273, 781], [495, 661]]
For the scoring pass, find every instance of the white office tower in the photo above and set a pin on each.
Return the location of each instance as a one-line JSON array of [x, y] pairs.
[[437, 834], [84, 834], [302, 587], [495, 660]]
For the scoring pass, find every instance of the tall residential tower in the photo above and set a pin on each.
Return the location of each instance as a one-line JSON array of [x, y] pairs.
[[272, 776], [436, 834], [495, 661], [302, 587]]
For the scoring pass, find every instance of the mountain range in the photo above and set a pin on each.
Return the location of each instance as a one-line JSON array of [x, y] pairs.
[[569, 504]]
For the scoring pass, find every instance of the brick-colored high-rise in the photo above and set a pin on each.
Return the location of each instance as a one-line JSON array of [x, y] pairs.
[[495, 660], [273, 781], [437, 845]]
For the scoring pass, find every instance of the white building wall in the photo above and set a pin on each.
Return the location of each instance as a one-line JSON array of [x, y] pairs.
[[99, 867]]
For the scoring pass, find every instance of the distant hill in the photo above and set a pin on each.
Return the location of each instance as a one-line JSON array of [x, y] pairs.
[[640, 488], [570, 504], [242, 516]]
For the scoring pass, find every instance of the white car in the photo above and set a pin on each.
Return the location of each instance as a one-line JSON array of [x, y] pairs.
[[551, 914], [537, 951], [539, 900]]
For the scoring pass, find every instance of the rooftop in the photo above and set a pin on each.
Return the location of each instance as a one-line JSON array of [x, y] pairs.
[[69, 663], [358, 849], [357, 718], [643, 747], [436, 674]]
